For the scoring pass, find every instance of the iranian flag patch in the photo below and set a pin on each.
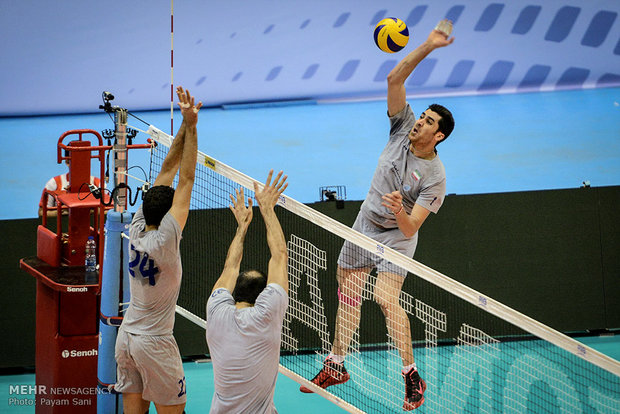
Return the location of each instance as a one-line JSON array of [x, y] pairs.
[[416, 175]]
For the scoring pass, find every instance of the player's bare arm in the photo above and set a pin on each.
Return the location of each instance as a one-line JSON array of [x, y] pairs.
[[187, 171], [396, 93], [267, 197], [243, 215]]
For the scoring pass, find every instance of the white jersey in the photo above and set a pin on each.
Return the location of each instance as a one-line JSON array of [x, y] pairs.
[[155, 276], [245, 348]]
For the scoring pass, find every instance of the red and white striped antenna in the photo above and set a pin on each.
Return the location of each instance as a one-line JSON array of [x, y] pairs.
[[172, 67]]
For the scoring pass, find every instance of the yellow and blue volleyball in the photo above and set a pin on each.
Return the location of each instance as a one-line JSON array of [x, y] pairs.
[[391, 34]]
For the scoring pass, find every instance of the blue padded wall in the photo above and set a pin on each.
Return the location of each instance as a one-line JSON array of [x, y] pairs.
[[59, 56]]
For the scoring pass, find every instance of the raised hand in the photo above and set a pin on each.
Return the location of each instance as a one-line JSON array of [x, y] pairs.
[[242, 213], [440, 36], [188, 109], [269, 195]]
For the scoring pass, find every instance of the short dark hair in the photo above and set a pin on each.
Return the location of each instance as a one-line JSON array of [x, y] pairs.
[[157, 202], [250, 283], [446, 123]]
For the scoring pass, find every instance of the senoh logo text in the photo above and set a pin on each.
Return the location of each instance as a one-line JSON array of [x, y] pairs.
[[74, 353]]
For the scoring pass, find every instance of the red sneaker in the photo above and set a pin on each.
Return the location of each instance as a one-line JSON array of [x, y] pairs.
[[332, 373], [414, 390]]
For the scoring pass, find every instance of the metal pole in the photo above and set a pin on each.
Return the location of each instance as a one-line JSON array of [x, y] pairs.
[[120, 159]]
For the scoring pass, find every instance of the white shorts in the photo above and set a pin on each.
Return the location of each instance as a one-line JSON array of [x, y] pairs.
[[150, 365], [354, 257]]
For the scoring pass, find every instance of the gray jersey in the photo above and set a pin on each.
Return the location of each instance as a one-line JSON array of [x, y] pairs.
[[245, 348], [420, 181], [155, 276]]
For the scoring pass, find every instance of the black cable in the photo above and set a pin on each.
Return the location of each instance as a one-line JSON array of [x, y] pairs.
[[146, 178], [133, 203], [107, 167], [114, 193], [95, 191], [80, 190], [117, 188], [141, 120], [140, 189]]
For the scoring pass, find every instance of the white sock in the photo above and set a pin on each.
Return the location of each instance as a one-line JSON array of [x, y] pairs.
[[336, 358], [408, 368]]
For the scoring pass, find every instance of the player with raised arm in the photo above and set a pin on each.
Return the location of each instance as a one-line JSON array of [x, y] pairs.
[[148, 358], [408, 184], [245, 312]]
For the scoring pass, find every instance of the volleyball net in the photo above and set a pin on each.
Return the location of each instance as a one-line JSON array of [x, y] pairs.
[[475, 354]]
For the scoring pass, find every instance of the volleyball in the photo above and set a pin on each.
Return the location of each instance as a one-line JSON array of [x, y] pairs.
[[391, 34]]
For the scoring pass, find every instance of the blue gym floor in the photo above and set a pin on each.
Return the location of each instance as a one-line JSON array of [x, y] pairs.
[[501, 143]]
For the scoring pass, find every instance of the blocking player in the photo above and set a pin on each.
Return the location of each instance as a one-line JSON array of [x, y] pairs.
[[245, 313], [149, 363]]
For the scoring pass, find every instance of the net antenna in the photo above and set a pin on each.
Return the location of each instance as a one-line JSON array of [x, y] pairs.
[[476, 354], [171, 67]]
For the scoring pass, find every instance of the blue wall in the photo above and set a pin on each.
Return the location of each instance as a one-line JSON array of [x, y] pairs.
[[58, 56]]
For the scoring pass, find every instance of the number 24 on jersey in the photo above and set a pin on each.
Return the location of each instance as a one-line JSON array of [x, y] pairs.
[[141, 263]]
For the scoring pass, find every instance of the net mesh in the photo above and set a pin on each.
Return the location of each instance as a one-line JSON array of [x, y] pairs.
[[475, 354]]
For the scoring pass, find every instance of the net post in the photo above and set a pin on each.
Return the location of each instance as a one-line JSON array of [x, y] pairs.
[[113, 293], [120, 160]]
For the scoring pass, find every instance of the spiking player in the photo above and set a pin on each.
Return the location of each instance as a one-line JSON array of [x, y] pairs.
[[148, 358], [409, 183]]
